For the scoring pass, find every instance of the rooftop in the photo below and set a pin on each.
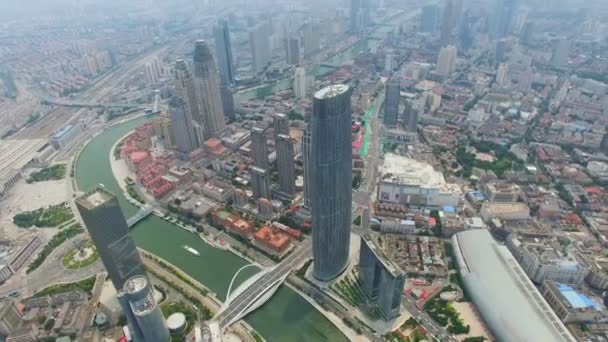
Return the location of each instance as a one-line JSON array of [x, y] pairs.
[[16, 153], [507, 299], [62, 131], [331, 91], [393, 269], [576, 299], [402, 170], [95, 198]]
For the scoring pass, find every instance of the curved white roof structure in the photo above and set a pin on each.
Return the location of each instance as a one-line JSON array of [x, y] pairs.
[[508, 301]]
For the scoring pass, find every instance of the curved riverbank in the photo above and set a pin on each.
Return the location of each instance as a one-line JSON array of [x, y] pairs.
[[277, 320]]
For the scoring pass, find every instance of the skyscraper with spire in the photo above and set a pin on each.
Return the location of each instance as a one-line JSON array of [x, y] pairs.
[[207, 86]]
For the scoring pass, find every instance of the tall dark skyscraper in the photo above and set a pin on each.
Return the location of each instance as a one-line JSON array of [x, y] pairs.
[[382, 280], [280, 123], [331, 180], [428, 19], [225, 61], [391, 102], [109, 231], [292, 50], [501, 18], [285, 163], [410, 117], [207, 85], [182, 126], [223, 53], [259, 148], [260, 182], [446, 22]]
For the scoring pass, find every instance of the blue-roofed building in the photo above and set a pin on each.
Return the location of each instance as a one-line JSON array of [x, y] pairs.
[[573, 306], [65, 135]]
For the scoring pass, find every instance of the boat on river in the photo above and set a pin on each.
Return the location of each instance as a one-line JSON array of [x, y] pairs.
[[191, 250]]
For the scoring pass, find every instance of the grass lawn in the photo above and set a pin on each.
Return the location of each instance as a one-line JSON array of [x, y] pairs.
[[69, 260], [55, 172]]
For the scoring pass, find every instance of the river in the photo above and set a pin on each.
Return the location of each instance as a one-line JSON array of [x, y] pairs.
[[286, 317]]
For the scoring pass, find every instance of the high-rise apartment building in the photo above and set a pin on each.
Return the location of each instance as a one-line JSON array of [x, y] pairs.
[[428, 19], [306, 162], [285, 163], [259, 148], [446, 62], [109, 231], [359, 15], [382, 280], [292, 50], [501, 18], [299, 82], [260, 183], [207, 85], [391, 102], [260, 48], [312, 39], [183, 128], [223, 53], [280, 124], [331, 180], [389, 61]]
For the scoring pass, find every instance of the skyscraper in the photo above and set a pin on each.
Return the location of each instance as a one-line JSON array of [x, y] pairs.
[[382, 280], [428, 19], [447, 22], [389, 61], [227, 72], [331, 180], [446, 62], [292, 51], [139, 294], [391, 101], [501, 18], [410, 117], [109, 231], [260, 48], [260, 182], [306, 162], [359, 15], [223, 53], [285, 163], [311, 39], [185, 89], [183, 128], [299, 82], [259, 148], [207, 85], [280, 124]]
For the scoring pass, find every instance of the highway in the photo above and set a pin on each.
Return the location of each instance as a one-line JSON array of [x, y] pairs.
[[244, 300]]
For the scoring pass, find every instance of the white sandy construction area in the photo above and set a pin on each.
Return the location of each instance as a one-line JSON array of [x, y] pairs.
[[470, 317], [27, 197]]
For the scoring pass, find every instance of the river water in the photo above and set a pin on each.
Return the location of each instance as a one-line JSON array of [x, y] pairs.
[[286, 317]]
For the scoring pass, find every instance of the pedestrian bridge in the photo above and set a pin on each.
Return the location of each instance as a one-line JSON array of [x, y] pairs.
[[141, 214]]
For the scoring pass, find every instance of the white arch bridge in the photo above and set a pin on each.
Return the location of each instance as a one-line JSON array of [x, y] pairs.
[[258, 289]]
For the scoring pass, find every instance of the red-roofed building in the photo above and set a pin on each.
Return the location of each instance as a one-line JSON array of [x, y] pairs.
[[271, 240]]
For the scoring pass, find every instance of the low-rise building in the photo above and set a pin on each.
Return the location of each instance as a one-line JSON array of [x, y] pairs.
[[10, 317], [572, 306], [504, 211], [273, 241], [65, 136], [501, 192], [546, 259], [24, 253], [219, 191], [410, 182]]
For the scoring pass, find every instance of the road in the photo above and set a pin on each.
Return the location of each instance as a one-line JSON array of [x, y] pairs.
[[432, 327], [51, 271], [244, 300], [192, 292]]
